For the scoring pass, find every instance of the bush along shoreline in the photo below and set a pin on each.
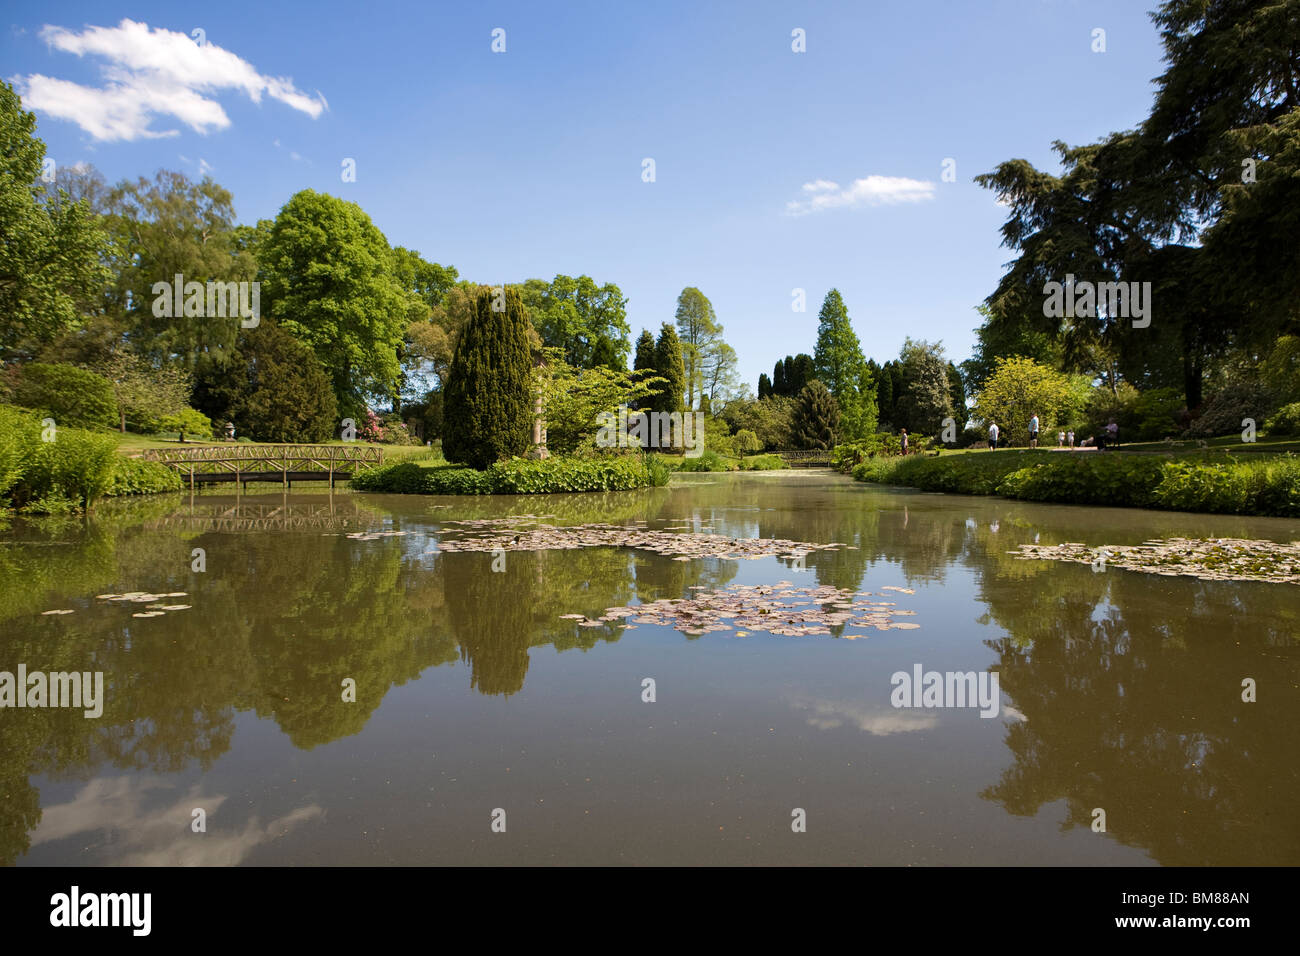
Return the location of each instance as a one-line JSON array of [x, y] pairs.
[[518, 476], [1211, 483], [65, 470]]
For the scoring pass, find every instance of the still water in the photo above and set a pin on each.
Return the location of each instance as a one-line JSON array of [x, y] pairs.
[[475, 700]]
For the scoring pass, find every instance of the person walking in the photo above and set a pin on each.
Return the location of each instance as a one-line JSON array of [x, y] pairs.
[[902, 437], [1070, 437], [993, 436], [1033, 431], [1060, 439]]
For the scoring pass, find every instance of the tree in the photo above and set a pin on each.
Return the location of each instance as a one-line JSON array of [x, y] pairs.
[[273, 388], [769, 419], [764, 386], [841, 367], [574, 399], [669, 366], [885, 392], [166, 227], [145, 392], [816, 417], [489, 398], [701, 335], [71, 396], [331, 282], [778, 378], [1018, 389], [926, 397], [577, 316], [50, 256], [799, 371], [957, 394]]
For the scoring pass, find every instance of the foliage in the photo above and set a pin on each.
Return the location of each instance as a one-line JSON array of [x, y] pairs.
[[926, 399], [763, 463], [69, 472], [489, 396], [517, 476], [669, 365], [273, 389], [580, 319], [1286, 421], [161, 228], [573, 399], [1249, 484], [1018, 389], [330, 279], [50, 263], [816, 417], [700, 333], [70, 395], [708, 460], [769, 419], [1240, 397], [146, 392], [135, 476], [189, 422], [840, 366]]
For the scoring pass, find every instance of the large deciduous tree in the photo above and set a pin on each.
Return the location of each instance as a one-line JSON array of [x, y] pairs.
[[588, 322], [52, 247], [331, 280]]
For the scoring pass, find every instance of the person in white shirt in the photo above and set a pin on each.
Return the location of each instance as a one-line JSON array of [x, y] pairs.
[[993, 436], [1033, 431]]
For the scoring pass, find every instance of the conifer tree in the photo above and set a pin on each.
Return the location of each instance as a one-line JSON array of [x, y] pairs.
[[816, 417], [669, 364], [489, 400]]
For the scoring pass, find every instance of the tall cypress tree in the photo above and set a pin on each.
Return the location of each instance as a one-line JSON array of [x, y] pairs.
[[778, 378], [787, 375], [644, 361], [764, 386], [489, 395], [669, 364], [800, 373]]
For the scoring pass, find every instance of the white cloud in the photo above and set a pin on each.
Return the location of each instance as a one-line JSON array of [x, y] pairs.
[[829, 714], [150, 73], [822, 194], [159, 835]]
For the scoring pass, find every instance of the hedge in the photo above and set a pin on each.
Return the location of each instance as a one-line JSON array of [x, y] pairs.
[[1256, 486], [515, 477]]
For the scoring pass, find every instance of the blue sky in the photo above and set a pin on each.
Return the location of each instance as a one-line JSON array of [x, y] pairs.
[[528, 163]]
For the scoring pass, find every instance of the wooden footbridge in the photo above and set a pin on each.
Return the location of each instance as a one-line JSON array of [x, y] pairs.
[[280, 463]]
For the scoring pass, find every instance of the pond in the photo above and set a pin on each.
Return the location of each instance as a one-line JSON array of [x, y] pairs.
[[319, 681]]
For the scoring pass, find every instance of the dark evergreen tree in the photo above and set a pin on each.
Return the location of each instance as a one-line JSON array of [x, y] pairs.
[[957, 394], [644, 361], [885, 393], [670, 365], [778, 379], [764, 386], [272, 387], [605, 354], [787, 372], [816, 417], [802, 371], [488, 410]]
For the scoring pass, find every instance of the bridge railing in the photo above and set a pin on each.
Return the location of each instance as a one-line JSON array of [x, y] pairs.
[[255, 459]]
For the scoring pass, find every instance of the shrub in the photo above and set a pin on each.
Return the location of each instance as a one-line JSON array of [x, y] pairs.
[[71, 396], [77, 466], [515, 477], [188, 421], [1087, 479], [1258, 486], [763, 463], [135, 476], [708, 460], [1286, 421], [1223, 413]]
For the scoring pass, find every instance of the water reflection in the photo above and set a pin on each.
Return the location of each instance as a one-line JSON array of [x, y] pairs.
[[1124, 687]]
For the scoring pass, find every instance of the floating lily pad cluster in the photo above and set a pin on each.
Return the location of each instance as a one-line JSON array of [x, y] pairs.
[[487, 534], [782, 609], [373, 535], [1210, 559], [153, 602]]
